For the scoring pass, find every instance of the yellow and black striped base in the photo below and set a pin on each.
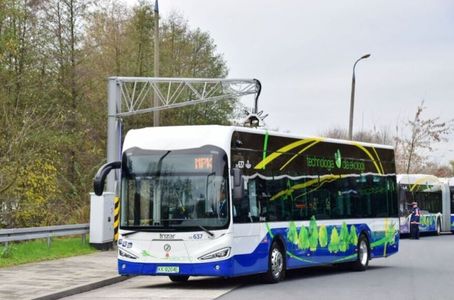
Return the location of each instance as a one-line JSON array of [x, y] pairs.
[[116, 217]]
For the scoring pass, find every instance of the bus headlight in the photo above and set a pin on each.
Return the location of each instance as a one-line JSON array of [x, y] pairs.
[[126, 254], [224, 252]]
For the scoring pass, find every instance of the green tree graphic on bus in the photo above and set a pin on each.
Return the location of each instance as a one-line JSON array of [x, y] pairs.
[[334, 241], [323, 236], [303, 239], [313, 234], [344, 238], [292, 234], [353, 235]]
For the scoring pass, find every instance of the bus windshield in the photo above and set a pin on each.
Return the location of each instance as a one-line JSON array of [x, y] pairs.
[[428, 197], [179, 190]]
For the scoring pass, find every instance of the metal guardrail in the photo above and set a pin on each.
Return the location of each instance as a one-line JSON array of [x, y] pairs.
[[31, 233]]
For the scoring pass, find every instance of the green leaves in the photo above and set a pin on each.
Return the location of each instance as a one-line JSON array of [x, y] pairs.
[[53, 96]]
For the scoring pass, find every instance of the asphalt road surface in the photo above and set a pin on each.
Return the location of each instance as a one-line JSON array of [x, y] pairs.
[[423, 269]]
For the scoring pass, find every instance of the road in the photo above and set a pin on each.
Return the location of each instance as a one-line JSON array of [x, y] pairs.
[[423, 269]]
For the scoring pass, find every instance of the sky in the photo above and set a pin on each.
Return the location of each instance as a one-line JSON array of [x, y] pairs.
[[303, 54]]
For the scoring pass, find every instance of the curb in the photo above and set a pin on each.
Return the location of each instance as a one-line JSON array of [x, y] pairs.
[[83, 288]]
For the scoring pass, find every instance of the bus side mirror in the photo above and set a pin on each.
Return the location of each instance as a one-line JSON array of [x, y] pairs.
[[100, 177], [238, 183]]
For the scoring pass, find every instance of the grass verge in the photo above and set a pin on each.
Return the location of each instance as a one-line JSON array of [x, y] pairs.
[[37, 250]]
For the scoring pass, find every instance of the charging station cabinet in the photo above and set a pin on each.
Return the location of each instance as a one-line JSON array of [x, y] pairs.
[[101, 220]]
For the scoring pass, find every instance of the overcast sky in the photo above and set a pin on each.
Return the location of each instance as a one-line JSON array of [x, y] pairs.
[[303, 53]]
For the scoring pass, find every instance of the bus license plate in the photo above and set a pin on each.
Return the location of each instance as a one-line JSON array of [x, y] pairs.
[[167, 269]]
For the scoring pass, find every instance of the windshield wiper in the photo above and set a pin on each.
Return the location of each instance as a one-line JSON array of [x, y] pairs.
[[206, 230], [152, 229], [128, 233]]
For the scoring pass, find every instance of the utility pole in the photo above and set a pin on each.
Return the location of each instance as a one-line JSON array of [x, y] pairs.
[[352, 98], [156, 61]]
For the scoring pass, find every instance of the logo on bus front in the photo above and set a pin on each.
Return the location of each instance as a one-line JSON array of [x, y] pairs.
[[166, 236]]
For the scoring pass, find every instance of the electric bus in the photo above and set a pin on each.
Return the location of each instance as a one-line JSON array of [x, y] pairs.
[[450, 186], [230, 201], [432, 195], [451, 192]]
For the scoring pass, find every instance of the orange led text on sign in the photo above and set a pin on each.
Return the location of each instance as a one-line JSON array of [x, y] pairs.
[[203, 163]]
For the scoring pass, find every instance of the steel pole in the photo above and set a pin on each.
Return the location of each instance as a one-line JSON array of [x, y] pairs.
[[113, 142], [352, 98], [352, 104], [156, 116]]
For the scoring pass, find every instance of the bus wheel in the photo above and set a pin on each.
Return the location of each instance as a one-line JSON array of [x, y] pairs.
[[276, 264], [178, 278], [438, 227], [362, 261]]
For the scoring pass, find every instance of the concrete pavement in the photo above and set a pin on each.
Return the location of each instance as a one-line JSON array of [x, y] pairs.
[[59, 278]]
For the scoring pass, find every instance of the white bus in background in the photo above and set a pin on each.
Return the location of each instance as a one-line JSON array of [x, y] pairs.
[[450, 188], [451, 192], [432, 195], [291, 202]]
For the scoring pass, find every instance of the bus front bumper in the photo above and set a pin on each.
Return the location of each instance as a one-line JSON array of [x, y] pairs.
[[217, 268]]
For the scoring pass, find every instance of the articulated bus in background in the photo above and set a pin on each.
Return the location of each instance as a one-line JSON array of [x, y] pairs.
[[450, 186], [451, 192], [432, 196], [229, 201]]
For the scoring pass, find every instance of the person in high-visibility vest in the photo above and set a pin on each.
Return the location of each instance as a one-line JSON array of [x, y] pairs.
[[414, 221]]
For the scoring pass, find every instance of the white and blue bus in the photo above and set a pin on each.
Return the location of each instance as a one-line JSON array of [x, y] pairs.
[[450, 182], [432, 195], [451, 190], [230, 201]]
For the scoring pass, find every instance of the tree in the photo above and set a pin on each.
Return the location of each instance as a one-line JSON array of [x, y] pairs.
[[334, 241], [323, 236], [55, 57], [313, 234], [423, 133], [303, 239], [344, 238], [379, 136], [437, 169]]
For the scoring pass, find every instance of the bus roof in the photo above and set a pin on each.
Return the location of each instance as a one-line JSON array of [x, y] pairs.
[[162, 138], [418, 179]]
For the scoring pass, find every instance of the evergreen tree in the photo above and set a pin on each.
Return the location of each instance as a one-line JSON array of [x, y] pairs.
[[292, 234], [334, 241], [313, 234], [323, 236], [344, 238], [353, 235], [303, 239]]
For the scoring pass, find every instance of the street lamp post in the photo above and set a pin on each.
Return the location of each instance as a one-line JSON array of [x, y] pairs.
[[352, 98]]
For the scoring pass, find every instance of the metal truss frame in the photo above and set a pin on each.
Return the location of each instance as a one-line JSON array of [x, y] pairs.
[[129, 96]]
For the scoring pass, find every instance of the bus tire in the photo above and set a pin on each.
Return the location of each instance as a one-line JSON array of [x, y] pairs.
[[362, 260], [438, 232], [276, 264], [178, 278]]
